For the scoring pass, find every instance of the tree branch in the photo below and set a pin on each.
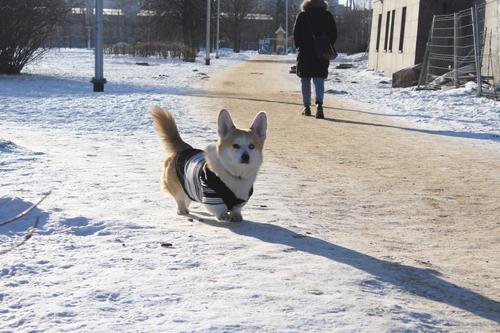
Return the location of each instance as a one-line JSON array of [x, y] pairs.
[[26, 237], [25, 212]]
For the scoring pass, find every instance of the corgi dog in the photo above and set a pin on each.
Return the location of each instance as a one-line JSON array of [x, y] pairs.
[[221, 177]]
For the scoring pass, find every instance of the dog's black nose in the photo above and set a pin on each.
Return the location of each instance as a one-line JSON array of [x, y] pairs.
[[245, 158]]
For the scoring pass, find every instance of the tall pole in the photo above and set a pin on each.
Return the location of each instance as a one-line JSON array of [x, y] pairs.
[[455, 49], [88, 22], [149, 23], [99, 79], [286, 27], [207, 55], [477, 49], [217, 34]]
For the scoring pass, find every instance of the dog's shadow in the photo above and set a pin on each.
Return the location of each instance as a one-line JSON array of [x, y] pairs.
[[421, 282]]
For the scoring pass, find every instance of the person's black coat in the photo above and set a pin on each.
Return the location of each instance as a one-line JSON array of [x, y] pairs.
[[318, 21]]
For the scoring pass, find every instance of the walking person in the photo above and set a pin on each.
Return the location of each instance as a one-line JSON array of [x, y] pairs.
[[313, 20]]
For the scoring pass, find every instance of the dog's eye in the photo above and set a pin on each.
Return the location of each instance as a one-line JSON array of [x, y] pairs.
[[251, 146], [235, 146]]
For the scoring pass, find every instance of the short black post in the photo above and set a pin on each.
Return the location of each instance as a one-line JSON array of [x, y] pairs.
[[98, 84]]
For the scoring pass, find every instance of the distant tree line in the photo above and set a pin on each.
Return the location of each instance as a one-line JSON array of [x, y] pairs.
[[27, 27], [187, 18], [354, 30]]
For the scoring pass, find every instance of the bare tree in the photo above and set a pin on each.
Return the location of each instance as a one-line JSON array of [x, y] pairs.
[[25, 26], [172, 16], [354, 40], [236, 12]]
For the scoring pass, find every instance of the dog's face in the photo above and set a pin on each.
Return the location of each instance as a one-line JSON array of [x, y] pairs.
[[239, 150]]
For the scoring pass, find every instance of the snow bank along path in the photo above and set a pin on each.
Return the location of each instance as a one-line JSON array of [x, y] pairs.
[[356, 224]]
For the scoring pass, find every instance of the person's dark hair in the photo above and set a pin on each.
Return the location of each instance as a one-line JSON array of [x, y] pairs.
[[306, 4]]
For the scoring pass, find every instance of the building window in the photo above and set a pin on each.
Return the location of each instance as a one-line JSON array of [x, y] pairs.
[[388, 18], [391, 38], [379, 28], [402, 33]]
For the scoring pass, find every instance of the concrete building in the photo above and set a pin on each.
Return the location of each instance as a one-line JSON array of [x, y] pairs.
[[400, 30], [492, 22]]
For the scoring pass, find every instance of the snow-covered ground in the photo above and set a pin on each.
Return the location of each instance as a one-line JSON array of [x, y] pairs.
[[96, 263], [458, 112]]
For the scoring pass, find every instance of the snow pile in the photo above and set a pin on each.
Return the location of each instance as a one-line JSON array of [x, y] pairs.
[[455, 111]]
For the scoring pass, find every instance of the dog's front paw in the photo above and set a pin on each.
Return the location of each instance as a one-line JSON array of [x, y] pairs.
[[235, 217], [230, 217], [223, 218]]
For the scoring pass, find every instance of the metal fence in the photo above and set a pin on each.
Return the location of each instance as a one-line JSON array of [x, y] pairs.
[[455, 49]]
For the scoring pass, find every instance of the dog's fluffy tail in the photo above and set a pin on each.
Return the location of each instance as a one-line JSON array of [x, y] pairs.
[[165, 126]]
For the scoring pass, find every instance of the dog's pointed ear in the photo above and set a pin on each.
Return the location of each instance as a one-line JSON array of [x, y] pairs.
[[224, 123], [259, 125]]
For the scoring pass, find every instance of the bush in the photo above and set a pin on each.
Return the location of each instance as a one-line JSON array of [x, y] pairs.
[[25, 26], [160, 50]]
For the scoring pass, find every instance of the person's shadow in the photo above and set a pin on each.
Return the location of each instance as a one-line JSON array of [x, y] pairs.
[[418, 281]]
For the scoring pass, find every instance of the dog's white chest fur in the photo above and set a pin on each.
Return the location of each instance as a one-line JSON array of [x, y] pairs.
[[240, 186]]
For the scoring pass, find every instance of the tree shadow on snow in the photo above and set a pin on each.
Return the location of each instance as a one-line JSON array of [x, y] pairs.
[[46, 86], [417, 281], [82, 226], [456, 134], [467, 135], [274, 60], [53, 86], [10, 207]]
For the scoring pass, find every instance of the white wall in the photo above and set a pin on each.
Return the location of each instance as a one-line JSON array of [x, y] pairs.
[[495, 9], [492, 25], [391, 61]]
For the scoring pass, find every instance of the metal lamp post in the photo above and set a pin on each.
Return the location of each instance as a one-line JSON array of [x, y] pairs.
[[207, 55], [286, 27], [88, 22], [99, 79]]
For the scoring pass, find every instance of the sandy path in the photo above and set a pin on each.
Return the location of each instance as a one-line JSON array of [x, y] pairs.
[[417, 198]]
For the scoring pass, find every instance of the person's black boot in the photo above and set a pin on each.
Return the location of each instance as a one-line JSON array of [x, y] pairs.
[[319, 112], [307, 111]]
